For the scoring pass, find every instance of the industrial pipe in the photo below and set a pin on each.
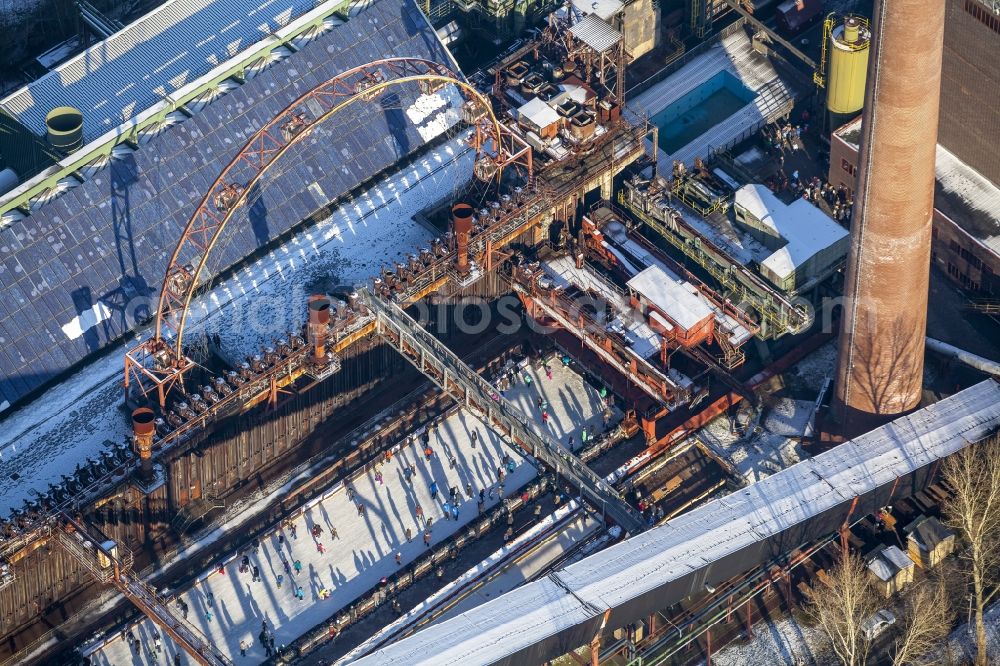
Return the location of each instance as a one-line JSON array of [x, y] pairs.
[[143, 428], [968, 358], [319, 325], [461, 219]]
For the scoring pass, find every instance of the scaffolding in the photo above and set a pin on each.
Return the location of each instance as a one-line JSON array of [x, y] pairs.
[[111, 563]]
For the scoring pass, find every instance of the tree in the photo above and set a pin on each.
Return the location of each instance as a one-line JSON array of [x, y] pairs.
[[973, 474], [926, 619], [840, 603]]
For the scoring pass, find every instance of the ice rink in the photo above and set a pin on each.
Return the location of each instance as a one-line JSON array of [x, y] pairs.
[[367, 544]]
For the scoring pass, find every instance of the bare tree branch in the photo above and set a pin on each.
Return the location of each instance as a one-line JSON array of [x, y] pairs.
[[974, 510], [925, 623], [840, 606]]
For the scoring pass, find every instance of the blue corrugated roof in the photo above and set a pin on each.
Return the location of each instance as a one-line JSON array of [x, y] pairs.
[[137, 66], [102, 243]]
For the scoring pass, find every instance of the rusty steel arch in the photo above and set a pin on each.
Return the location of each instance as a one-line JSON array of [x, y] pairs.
[[223, 198]]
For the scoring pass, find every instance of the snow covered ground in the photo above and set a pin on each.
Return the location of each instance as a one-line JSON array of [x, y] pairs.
[[774, 443], [366, 547], [786, 642], [72, 421], [347, 248], [770, 448]]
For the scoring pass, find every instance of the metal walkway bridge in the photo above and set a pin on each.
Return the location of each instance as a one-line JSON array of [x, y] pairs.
[[445, 369]]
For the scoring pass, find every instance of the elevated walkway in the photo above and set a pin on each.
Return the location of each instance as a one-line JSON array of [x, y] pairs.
[[452, 375]]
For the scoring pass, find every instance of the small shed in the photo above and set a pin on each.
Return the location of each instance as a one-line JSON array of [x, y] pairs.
[[928, 541], [537, 116], [891, 570], [674, 307]]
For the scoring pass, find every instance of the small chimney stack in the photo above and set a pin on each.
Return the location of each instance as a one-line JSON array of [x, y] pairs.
[[143, 429], [461, 219], [319, 325]]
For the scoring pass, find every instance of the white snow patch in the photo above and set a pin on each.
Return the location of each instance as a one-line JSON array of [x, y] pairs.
[[345, 249], [783, 641], [86, 320], [436, 113]]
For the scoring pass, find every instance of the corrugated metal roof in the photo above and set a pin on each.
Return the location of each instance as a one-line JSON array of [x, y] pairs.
[[69, 271], [148, 59], [595, 33]]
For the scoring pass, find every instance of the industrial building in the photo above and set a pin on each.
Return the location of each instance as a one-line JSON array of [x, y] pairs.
[[314, 346]]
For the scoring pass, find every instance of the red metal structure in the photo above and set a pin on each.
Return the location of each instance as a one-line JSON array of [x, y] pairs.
[[158, 365]]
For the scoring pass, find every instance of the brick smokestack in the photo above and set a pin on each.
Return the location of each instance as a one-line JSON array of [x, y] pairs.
[[143, 429], [881, 348], [461, 219]]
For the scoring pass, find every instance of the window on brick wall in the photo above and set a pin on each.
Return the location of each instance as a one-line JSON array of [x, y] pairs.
[[954, 247], [983, 14], [952, 270], [847, 166]]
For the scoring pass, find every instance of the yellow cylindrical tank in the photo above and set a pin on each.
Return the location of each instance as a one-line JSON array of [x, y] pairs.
[[849, 46]]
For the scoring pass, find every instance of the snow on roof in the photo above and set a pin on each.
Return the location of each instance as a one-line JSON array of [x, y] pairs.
[[602, 8], [927, 532], [963, 194], [595, 33], [850, 132], [976, 192], [149, 59], [806, 228], [538, 113], [572, 91], [668, 561], [670, 297], [889, 562]]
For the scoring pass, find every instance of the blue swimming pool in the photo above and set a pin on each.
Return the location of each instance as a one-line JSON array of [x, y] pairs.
[[692, 115]]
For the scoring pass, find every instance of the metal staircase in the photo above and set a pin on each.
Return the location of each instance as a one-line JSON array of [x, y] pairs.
[[111, 563], [452, 375], [193, 511]]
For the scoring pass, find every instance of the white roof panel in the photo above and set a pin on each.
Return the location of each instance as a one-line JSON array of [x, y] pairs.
[[806, 228], [671, 297], [148, 59], [602, 8], [538, 112]]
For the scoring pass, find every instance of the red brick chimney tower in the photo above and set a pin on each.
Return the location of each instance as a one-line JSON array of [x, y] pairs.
[[881, 353]]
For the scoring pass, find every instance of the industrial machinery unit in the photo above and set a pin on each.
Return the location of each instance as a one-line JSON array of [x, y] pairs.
[[177, 468], [701, 240], [843, 66]]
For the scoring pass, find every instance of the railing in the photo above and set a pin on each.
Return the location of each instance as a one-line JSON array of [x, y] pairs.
[[777, 311], [446, 370]]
